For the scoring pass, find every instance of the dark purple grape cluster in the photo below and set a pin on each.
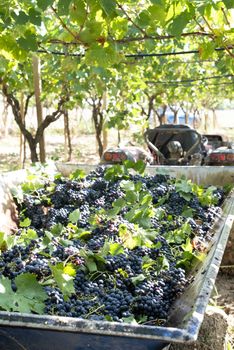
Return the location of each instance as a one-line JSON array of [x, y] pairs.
[[134, 274]]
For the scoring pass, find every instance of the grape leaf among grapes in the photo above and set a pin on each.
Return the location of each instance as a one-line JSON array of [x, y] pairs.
[[29, 296], [116, 248], [137, 279], [63, 279], [74, 216], [27, 236], [130, 241], [6, 241], [25, 223]]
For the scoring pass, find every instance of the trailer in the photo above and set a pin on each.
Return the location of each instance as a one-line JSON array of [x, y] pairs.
[[43, 332]]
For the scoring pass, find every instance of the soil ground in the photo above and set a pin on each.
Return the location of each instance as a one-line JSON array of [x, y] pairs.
[[223, 297], [84, 151]]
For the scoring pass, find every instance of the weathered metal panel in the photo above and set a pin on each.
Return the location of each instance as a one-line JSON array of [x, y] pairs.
[[206, 175], [41, 339]]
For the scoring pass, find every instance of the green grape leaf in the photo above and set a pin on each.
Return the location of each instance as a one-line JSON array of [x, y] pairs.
[[138, 186], [98, 257], [110, 319], [119, 27], [186, 196], [6, 294], [145, 237], [21, 18], [102, 55], [157, 13], [74, 216], [179, 23], [92, 31], [144, 18], [162, 263], [34, 16], [127, 185], [56, 230], [95, 261], [169, 217], [84, 234], [229, 4], [105, 248], [206, 50], [115, 172], [142, 319], [48, 235], [25, 223], [119, 203], [77, 174], [179, 235], [31, 185], [29, 297], [43, 4], [137, 279], [116, 248], [158, 2], [91, 264], [130, 320], [26, 236], [28, 41], [78, 12], [148, 263], [189, 259], [129, 240], [111, 213], [129, 164], [187, 212], [64, 280], [108, 7], [7, 241], [131, 196], [3, 237], [122, 272], [65, 242], [63, 7], [183, 186], [208, 197], [145, 199], [28, 286], [159, 213], [228, 188], [140, 216], [200, 256], [69, 269], [185, 260], [140, 166], [187, 246]]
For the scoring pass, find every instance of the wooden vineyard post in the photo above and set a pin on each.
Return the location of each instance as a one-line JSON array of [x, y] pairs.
[[37, 91], [67, 136], [105, 131], [22, 138]]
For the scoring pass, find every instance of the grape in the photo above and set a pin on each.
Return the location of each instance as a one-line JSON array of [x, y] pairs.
[[140, 281]]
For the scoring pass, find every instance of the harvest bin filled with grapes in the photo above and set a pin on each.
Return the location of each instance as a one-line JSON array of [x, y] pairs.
[[113, 257]]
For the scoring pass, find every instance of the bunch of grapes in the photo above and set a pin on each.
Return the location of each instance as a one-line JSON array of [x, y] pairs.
[[139, 278]]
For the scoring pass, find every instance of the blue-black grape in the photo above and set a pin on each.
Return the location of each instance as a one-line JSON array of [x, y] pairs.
[[112, 285]]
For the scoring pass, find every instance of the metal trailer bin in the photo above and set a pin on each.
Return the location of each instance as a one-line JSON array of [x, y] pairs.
[[36, 332]]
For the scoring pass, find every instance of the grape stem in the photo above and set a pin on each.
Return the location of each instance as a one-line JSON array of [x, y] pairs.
[[95, 310]]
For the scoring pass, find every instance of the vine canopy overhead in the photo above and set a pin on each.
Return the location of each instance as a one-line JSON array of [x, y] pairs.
[[104, 32]]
